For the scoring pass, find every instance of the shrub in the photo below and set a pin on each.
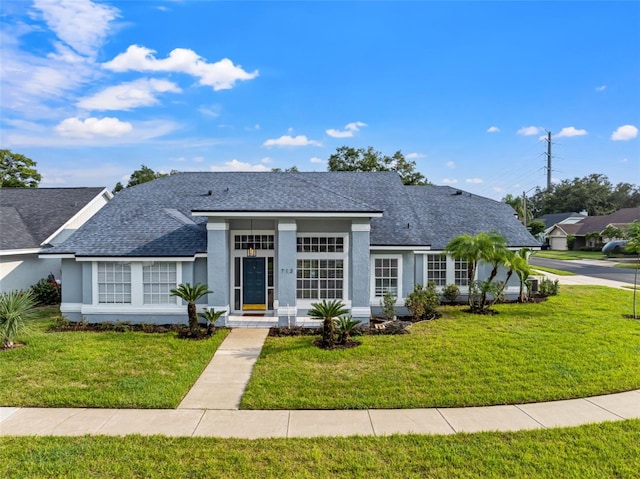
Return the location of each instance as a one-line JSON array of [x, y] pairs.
[[548, 287], [345, 325], [16, 309], [46, 291], [571, 241], [450, 293], [388, 303], [423, 301]]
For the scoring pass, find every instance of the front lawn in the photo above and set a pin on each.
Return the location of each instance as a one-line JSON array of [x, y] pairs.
[[110, 369], [592, 451], [574, 345]]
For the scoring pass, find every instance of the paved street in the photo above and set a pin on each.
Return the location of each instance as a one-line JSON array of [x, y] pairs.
[[593, 268]]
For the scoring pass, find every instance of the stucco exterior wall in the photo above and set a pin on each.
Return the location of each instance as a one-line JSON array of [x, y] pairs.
[[19, 272]]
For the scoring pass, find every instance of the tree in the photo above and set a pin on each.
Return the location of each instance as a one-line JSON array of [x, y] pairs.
[[536, 227], [487, 247], [612, 232], [633, 246], [143, 175], [17, 170], [328, 311], [291, 169], [593, 193], [516, 203], [16, 308], [350, 159], [191, 294]]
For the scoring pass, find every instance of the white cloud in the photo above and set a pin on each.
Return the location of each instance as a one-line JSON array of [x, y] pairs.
[[99, 174], [497, 189], [198, 159], [235, 165], [211, 110], [601, 88], [107, 126], [315, 159], [348, 131], [475, 181], [529, 130], [266, 160], [129, 95], [493, 129], [624, 160], [450, 164], [570, 131], [414, 156], [81, 24], [220, 75], [449, 181], [288, 140], [624, 133]]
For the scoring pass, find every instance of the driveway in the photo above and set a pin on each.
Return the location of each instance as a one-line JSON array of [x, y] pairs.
[[600, 269]]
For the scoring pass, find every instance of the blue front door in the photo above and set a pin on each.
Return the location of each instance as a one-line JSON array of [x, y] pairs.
[[253, 284]]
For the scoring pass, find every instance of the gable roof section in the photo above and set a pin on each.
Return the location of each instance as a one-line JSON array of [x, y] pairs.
[[595, 224], [553, 218], [28, 216], [156, 218]]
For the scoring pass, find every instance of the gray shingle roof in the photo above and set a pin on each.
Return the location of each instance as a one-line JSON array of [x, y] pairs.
[[155, 218], [28, 216]]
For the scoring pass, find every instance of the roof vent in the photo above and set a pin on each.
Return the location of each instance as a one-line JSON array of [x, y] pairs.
[[457, 193], [210, 192]]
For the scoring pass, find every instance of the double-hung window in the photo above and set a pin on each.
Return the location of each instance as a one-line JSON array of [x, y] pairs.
[[437, 269], [158, 279], [321, 267], [386, 275], [114, 283]]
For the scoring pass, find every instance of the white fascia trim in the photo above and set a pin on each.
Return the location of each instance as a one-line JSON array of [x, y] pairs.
[[82, 210], [200, 255], [137, 259], [365, 227], [14, 252], [57, 256], [415, 249], [217, 226], [284, 214]]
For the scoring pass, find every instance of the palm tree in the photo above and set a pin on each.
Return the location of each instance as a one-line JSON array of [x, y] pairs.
[[328, 311], [345, 326], [191, 294], [210, 316], [488, 247], [15, 309]]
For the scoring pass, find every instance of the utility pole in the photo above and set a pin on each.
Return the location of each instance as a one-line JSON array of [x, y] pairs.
[[548, 161], [524, 208]]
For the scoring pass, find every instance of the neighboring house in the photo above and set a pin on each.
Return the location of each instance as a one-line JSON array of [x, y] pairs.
[[559, 240], [588, 231], [33, 220], [271, 243]]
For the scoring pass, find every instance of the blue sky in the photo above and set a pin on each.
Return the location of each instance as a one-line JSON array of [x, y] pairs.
[[93, 89]]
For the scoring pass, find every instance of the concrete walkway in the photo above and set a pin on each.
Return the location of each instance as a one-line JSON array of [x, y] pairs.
[[313, 423], [222, 383]]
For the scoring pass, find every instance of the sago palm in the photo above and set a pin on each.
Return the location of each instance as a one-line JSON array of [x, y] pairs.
[[328, 311], [16, 309], [191, 294], [210, 316]]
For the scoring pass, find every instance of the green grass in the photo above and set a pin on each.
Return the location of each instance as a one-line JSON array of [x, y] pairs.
[[564, 255], [111, 369], [626, 265], [559, 272], [574, 345], [592, 451]]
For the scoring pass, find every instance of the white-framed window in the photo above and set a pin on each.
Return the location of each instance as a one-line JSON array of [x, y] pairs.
[[114, 283], [136, 285], [387, 275], [461, 273], [436, 269], [320, 279], [158, 279], [321, 266]]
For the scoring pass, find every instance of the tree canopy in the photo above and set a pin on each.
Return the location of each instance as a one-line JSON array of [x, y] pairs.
[[351, 159], [593, 193], [143, 175], [17, 170]]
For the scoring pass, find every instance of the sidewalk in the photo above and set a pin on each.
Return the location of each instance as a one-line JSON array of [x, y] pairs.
[[584, 280], [313, 423]]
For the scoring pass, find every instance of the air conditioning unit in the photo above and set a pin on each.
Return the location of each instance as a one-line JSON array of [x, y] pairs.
[[534, 285]]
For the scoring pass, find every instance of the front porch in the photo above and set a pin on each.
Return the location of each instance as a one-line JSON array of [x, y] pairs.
[[267, 321]]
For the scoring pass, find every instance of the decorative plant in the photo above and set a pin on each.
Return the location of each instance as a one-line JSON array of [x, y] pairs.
[[191, 294], [210, 316], [633, 246], [548, 287], [328, 311], [388, 303], [46, 291], [16, 308], [422, 302], [345, 326], [451, 292]]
